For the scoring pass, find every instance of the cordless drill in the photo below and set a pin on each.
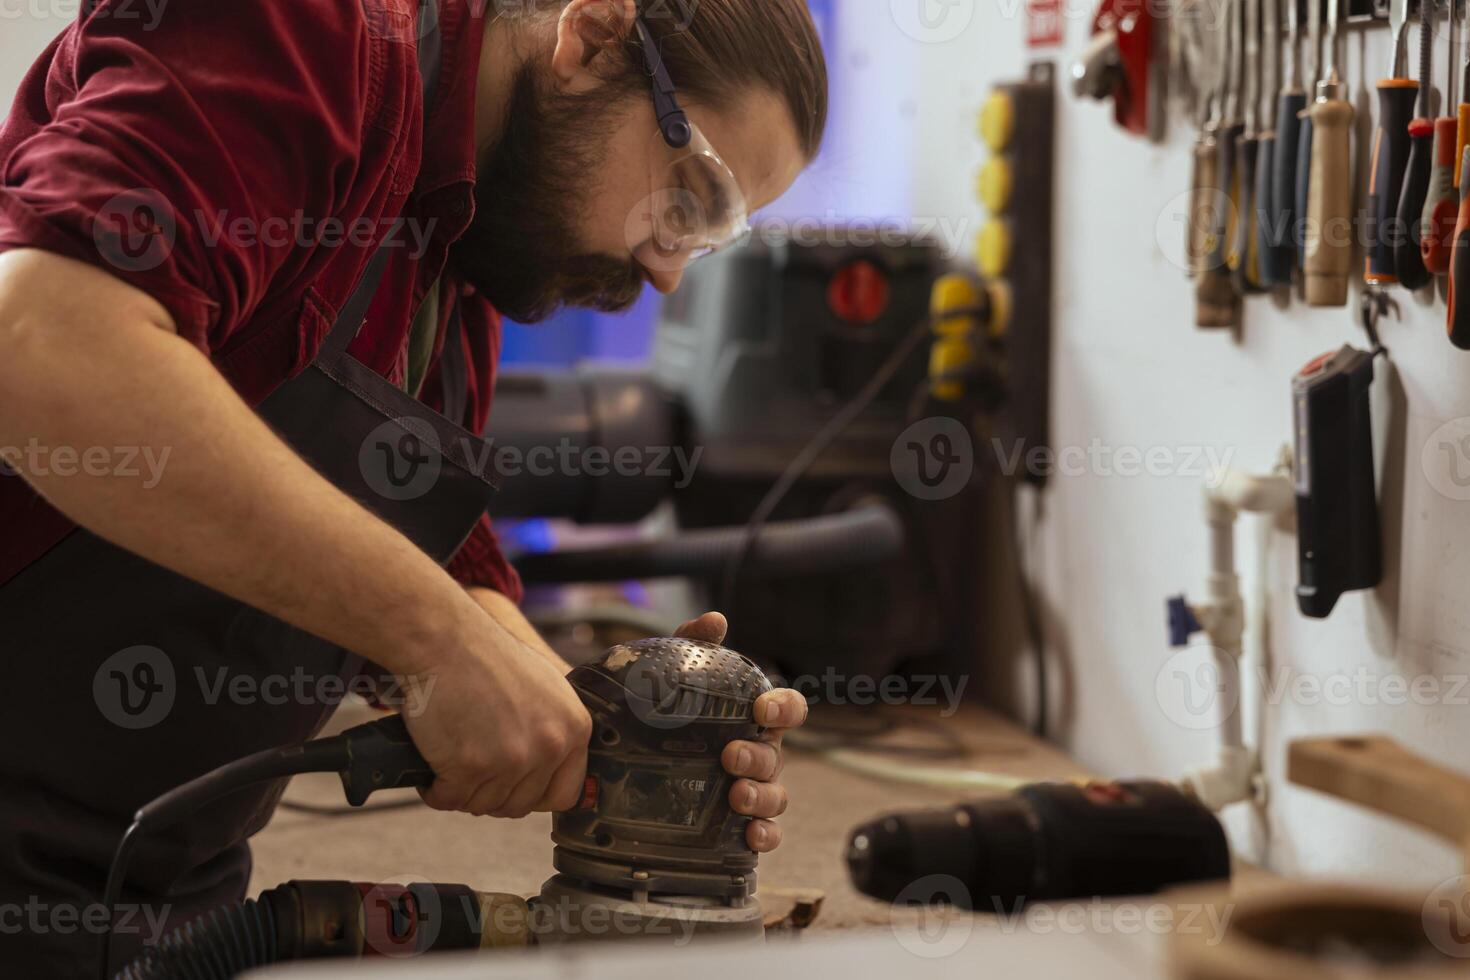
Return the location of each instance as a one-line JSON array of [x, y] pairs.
[[1044, 842]]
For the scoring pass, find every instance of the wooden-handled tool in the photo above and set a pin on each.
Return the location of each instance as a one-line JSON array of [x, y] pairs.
[[1304, 132], [1329, 230], [1408, 260], [1244, 258], [1269, 232], [1442, 202], [1217, 304], [1396, 97]]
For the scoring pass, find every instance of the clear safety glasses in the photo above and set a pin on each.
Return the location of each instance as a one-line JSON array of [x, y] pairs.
[[696, 205]]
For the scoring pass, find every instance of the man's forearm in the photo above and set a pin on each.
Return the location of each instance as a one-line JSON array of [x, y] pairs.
[[508, 614], [91, 362]]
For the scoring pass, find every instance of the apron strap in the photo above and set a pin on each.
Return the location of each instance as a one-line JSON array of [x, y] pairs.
[[454, 374], [349, 322]]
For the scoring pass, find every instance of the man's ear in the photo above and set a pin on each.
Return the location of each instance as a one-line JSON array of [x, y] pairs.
[[588, 33]]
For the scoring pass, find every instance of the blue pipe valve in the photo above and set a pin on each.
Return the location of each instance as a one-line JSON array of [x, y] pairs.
[[1182, 623]]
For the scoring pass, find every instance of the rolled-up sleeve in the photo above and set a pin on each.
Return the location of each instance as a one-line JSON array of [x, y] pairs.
[[189, 156]]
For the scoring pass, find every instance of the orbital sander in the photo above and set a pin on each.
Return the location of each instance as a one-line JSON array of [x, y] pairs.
[[653, 851]]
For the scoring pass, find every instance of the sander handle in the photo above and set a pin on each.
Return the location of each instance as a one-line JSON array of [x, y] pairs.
[[381, 755]]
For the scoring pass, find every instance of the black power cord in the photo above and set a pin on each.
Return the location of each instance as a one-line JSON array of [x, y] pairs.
[[813, 451], [378, 755]]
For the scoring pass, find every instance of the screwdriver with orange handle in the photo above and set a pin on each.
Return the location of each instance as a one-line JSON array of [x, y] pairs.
[[1442, 202], [1458, 317], [1328, 244], [1408, 260], [1396, 97]]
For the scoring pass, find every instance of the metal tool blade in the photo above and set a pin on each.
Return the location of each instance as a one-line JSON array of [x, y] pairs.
[[1252, 66], [1398, 19]]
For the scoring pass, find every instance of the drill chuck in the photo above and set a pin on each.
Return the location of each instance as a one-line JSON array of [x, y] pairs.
[[1046, 841]]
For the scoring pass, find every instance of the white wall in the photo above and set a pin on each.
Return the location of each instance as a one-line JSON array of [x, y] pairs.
[[1132, 371]]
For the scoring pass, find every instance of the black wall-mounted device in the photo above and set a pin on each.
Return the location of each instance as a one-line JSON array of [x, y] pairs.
[[1340, 541]]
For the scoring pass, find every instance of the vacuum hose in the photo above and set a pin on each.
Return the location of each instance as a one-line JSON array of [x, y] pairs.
[[221, 944], [863, 536]]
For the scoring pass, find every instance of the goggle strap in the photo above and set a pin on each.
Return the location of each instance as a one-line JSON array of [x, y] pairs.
[[673, 122]]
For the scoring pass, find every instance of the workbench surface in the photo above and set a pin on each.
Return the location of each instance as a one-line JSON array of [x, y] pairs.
[[515, 856]]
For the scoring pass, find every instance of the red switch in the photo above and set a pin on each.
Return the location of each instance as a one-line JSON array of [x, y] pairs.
[[858, 293]]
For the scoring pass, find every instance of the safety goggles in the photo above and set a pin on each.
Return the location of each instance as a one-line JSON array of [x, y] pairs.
[[696, 206]]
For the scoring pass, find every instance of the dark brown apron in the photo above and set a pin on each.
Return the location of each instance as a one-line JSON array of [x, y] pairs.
[[119, 673]]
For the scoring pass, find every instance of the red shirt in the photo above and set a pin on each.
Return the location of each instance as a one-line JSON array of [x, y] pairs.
[[274, 144]]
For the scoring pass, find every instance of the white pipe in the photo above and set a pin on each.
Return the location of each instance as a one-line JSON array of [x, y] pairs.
[[1231, 779]]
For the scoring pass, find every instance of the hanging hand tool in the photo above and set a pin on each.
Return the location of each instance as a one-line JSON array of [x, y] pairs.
[[1462, 111], [1396, 96], [1304, 131], [1204, 80], [1458, 315], [1217, 304], [1269, 231], [1244, 260], [1407, 260], [1329, 231], [1293, 100], [1442, 202]]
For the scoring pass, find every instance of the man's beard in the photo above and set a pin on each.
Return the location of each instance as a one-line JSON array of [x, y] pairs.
[[521, 251]]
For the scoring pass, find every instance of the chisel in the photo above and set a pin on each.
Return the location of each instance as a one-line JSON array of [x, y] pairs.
[[1407, 259], [1269, 231], [1396, 97], [1205, 85], [1244, 260], [1304, 132], [1329, 231], [1217, 303], [1293, 100], [1442, 203]]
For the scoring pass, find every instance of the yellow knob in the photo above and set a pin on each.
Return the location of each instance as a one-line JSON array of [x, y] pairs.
[[997, 121], [1000, 308], [948, 357], [952, 293], [995, 184], [993, 248]]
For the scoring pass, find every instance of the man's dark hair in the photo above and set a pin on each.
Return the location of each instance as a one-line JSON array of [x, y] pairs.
[[715, 49]]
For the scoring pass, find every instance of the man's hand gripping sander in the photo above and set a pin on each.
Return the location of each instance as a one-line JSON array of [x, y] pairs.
[[653, 851]]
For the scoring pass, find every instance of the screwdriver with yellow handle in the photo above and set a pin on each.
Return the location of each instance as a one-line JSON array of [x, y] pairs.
[[1396, 98], [1329, 234], [1442, 203]]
